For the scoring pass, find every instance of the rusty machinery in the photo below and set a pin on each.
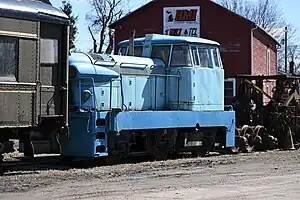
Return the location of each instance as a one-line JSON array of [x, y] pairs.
[[271, 124]]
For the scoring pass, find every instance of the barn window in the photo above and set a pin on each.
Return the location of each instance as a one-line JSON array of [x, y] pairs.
[[229, 87], [49, 51], [161, 52], [8, 58], [181, 56]]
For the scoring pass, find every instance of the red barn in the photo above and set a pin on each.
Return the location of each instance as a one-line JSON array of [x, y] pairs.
[[245, 47]]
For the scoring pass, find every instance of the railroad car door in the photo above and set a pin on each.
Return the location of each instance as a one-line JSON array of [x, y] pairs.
[[53, 70]]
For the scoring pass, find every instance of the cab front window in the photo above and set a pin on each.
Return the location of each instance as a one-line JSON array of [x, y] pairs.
[[181, 56], [200, 56], [216, 57], [203, 56]]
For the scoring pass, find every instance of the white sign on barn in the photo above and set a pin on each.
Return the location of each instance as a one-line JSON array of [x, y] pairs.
[[184, 21]]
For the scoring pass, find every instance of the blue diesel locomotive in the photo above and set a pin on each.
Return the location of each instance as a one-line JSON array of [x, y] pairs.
[[167, 99]]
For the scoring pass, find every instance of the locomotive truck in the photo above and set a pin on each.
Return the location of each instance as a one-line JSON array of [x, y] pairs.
[[168, 101]]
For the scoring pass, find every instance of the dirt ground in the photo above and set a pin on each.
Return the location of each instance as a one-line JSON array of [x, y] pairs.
[[268, 175]]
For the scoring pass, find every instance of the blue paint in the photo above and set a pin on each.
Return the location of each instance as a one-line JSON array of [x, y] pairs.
[[135, 120], [200, 89], [82, 140], [132, 93]]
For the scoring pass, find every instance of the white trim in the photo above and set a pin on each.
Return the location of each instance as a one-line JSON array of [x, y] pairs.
[[268, 61], [18, 34], [233, 86]]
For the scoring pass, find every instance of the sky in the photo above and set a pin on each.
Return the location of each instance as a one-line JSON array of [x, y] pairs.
[[81, 8]]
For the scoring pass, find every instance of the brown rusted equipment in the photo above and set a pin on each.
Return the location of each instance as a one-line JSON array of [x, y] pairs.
[[273, 116]]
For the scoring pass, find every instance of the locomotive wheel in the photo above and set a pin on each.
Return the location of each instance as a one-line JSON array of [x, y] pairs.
[[28, 149], [66, 159], [159, 148]]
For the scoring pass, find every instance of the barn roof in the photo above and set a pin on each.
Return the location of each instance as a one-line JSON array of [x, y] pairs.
[[233, 13], [31, 10]]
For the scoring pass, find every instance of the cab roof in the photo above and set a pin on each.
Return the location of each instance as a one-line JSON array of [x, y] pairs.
[[168, 39]]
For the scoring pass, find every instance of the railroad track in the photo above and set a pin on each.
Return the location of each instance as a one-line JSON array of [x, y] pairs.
[[56, 162], [24, 164]]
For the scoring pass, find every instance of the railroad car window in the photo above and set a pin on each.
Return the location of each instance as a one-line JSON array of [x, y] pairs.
[[215, 57], [161, 52], [180, 56], [204, 57], [49, 51], [8, 58], [195, 56]]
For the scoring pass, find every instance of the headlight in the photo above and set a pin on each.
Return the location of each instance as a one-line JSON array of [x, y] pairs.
[[86, 94]]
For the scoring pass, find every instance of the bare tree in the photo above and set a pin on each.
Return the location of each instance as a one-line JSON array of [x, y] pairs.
[[269, 16], [103, 13]]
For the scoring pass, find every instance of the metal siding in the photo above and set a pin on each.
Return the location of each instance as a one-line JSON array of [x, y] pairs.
[[231, 31], [8, 110], [27, 61], [19, 27], [25, 109], [18, 113]]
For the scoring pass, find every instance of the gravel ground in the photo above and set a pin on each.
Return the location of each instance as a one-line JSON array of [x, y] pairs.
[[267, 175]]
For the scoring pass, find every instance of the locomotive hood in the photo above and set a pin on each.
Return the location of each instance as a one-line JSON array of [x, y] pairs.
[[84, 67]]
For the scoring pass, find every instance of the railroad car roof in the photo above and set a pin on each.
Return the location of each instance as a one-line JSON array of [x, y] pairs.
[[168, 39], [31, 10]]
